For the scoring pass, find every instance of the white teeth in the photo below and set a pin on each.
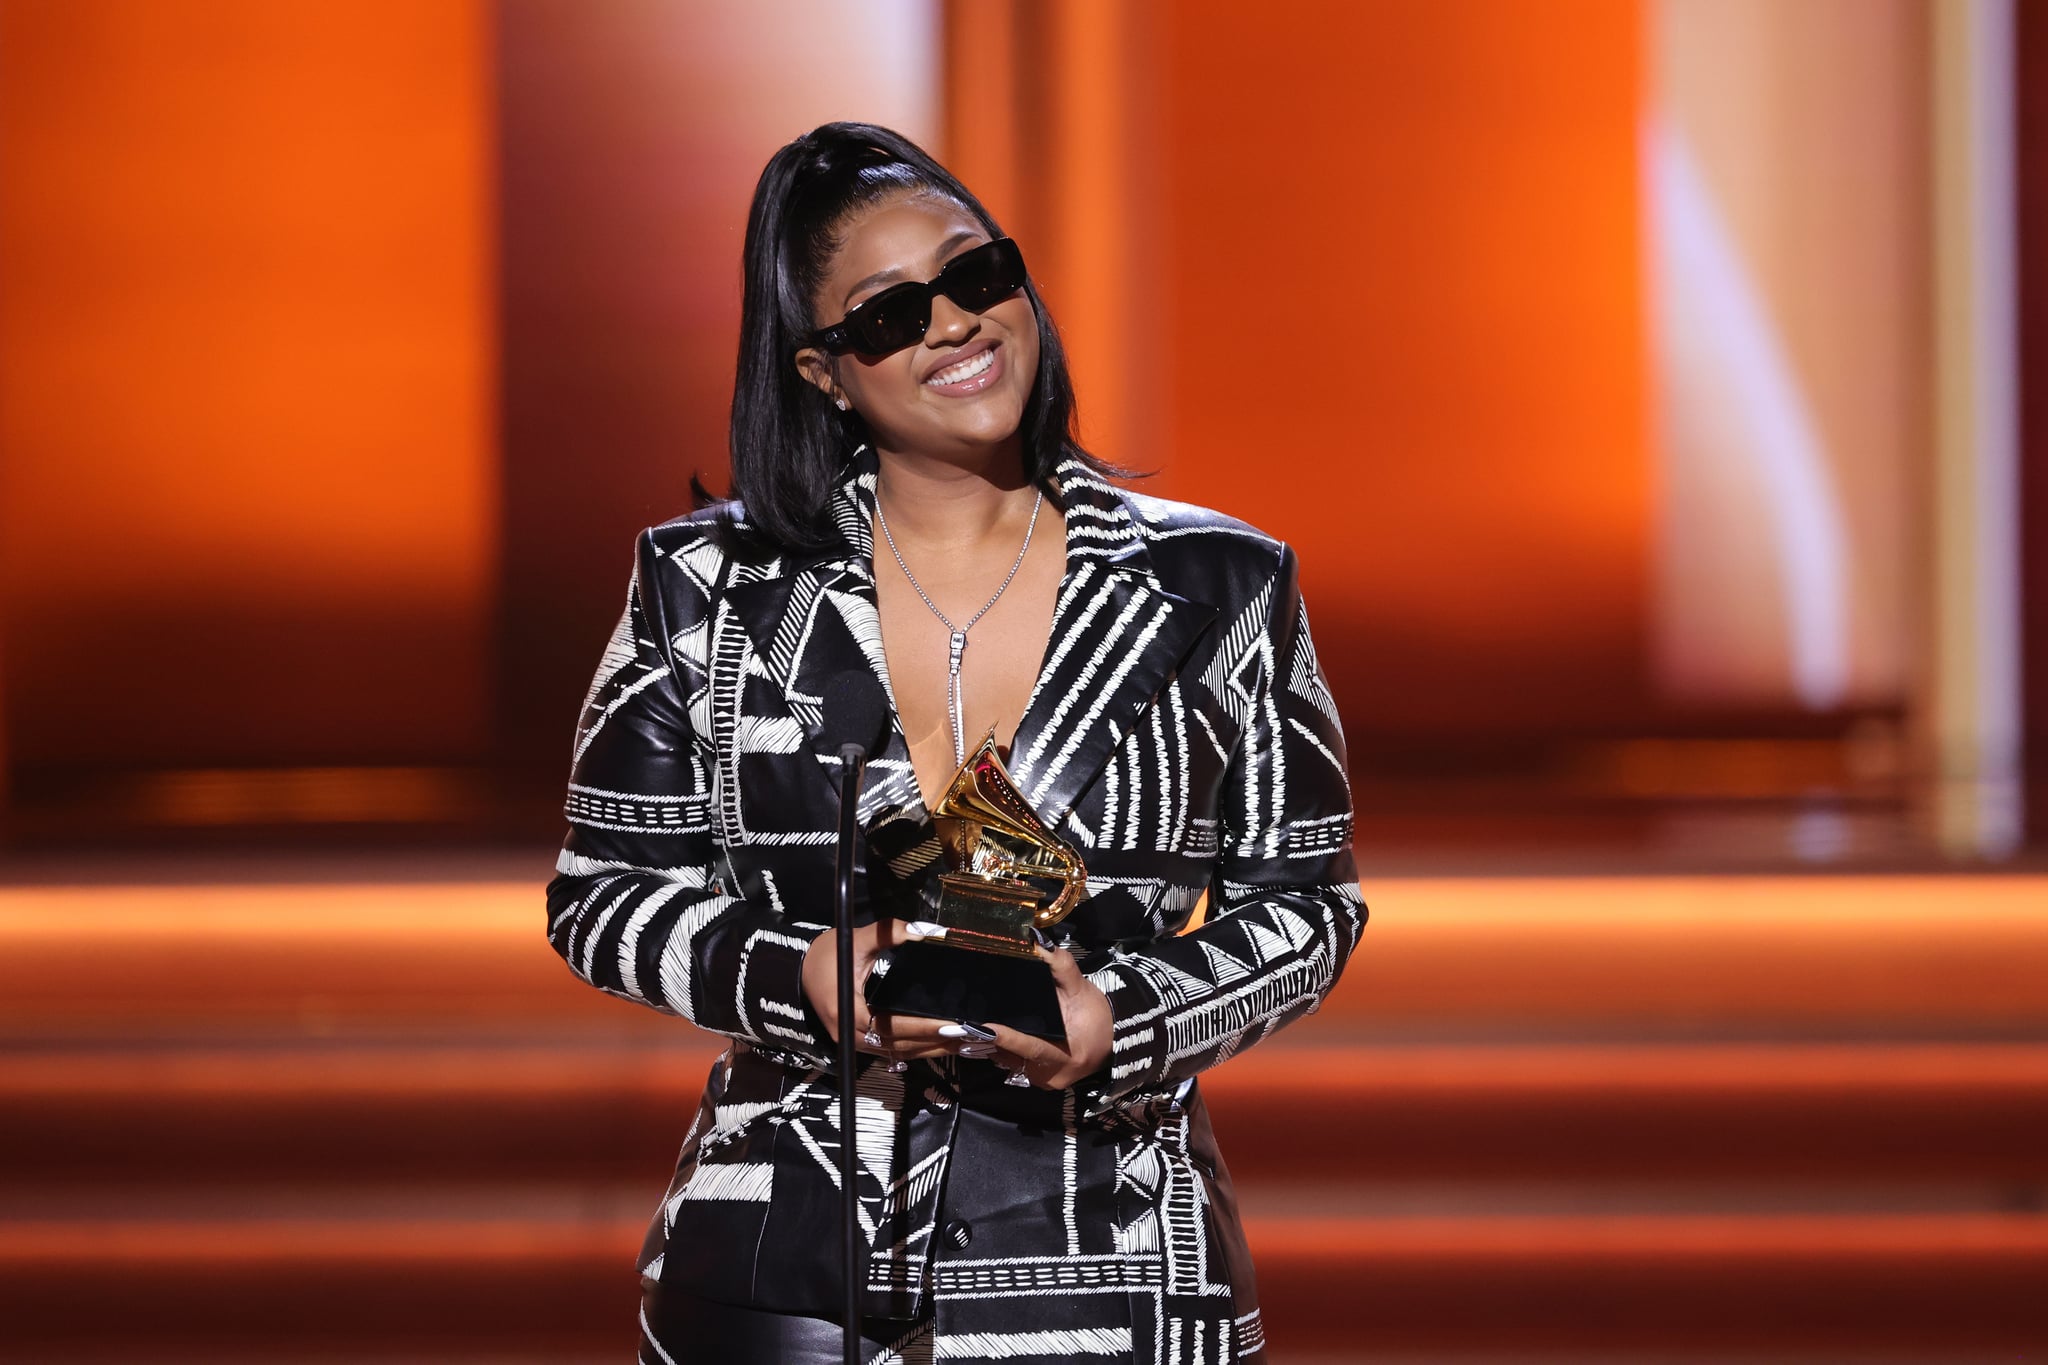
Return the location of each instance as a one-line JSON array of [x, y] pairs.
[[966, 369]]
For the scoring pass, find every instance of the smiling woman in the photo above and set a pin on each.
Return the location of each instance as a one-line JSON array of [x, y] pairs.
[[971, 277], [1146, 672]]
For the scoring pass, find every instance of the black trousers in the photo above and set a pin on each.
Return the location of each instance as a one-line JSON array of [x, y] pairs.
[[681, 1329]]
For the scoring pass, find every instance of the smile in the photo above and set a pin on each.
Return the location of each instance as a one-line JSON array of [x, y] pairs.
[[971, 375]]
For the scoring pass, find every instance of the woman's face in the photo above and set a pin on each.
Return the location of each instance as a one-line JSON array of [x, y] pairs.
[[960, 390]]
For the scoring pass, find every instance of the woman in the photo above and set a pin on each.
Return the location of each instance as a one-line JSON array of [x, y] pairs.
[[913, 518]]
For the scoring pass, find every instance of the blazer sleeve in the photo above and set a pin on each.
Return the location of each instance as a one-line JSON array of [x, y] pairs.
[[641, 905], [1285, 910]]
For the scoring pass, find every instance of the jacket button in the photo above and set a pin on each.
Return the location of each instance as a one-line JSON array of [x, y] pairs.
[[958, 1233]]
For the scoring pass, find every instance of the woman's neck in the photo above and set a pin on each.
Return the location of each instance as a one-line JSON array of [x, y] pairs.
[[944, 504]]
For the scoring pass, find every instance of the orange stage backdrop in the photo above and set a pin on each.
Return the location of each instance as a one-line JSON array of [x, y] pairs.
[[248, 507], [1368, 276], [1406, 334], [343, 348]]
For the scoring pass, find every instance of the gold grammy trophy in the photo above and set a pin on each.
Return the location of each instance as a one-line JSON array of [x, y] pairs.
[[1008, 877], [1000, 855]]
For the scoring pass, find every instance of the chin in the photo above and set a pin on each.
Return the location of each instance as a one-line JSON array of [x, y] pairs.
[[994, 429], [982, 421]]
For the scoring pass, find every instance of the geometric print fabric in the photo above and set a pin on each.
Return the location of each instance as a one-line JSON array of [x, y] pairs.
[[1180, 734]]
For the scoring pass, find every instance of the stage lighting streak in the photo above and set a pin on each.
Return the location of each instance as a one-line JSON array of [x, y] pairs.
[[1962, 951], [1855, 1240], [506, 1075], [192, 1245], [336, 795], [1904, 1073], [1977, 693], [1715, 330], [356, 1243], [384, 914]]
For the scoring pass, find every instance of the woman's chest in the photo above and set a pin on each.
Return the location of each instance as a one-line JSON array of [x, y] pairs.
[[1124, 749], [989, 668]]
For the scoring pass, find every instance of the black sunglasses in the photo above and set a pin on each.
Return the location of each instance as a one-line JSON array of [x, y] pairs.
[[899, 315]]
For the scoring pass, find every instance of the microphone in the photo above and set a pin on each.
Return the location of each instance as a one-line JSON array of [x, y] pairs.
[[853, 710]]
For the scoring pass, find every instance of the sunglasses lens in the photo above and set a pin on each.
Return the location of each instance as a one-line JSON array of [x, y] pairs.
[[983, 277], [891, 319]]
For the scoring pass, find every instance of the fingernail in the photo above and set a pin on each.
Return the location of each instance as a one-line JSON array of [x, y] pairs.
[[924, 928], [963, 1029], [977, 1050]]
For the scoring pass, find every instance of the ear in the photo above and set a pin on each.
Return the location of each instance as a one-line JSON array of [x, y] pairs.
[[816, 368]]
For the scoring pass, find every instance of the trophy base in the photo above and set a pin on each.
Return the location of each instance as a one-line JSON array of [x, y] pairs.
[[989, 914], [933, 981]]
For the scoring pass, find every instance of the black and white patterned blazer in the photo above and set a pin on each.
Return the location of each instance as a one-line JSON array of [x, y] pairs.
[[1180, 735]]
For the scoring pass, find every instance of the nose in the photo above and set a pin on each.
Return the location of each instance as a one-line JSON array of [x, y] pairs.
[[950, 322]]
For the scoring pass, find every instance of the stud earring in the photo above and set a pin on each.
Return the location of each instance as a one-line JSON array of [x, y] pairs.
[[843, 407]]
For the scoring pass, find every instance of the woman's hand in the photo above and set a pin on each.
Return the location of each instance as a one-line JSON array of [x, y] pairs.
[[1085, 1012], [899, 1039]]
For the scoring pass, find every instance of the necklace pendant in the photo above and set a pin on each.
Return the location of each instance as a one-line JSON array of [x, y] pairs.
[[956, 644]]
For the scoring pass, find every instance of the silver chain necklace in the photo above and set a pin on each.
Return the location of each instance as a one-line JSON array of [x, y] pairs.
[[958, 644]]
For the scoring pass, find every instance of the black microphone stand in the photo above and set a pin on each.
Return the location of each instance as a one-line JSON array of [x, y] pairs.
[[853, 759]]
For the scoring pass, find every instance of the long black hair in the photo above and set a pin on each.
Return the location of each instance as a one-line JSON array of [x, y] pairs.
[[789, 441]]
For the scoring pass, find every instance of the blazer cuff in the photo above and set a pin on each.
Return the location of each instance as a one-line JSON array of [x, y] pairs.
[[772, 981], [1138, 1035]]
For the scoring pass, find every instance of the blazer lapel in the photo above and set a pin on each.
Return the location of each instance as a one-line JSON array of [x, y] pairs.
[[816, 632], [1117, 636], [812, 625]]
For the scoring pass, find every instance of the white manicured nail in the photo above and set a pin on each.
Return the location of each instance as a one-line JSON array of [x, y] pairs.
[[924, 928]]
